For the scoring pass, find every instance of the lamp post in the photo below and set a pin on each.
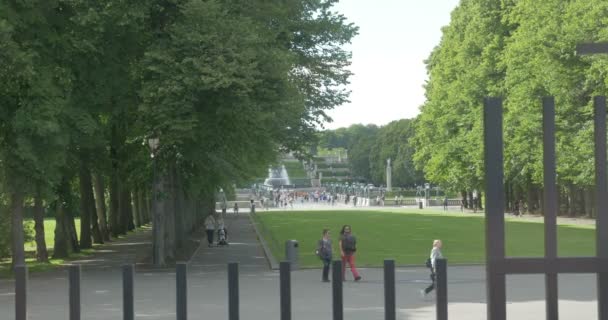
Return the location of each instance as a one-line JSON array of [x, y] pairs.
[[158, 258]]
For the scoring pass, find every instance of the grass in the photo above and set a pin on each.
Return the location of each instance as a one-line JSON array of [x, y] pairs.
[[30, 251], [49, 233], [406, 236]]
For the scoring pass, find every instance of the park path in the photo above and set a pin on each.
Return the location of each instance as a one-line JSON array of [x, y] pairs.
[[243, 248]]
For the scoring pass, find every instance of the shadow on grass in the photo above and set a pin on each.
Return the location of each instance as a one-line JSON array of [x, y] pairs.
[[82, 257]]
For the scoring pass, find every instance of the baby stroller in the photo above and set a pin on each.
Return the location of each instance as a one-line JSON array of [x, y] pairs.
[[222, 236]]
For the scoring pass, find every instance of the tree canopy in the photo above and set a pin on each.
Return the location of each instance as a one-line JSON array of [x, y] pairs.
[[224, 85]]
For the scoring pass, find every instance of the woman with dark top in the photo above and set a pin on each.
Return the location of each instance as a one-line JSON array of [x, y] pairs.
[[324, 252], [348, 247]]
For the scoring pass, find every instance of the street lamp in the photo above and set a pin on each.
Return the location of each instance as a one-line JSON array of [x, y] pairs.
[[153, 144]]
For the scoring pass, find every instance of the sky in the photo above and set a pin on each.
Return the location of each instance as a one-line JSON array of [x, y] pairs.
[[395, 37]]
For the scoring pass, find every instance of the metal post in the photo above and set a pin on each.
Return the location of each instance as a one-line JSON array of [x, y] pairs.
[[550, 205], [601, 186], [389, 290], [233, 291], [495, 224], [338, 309], [285, 290], [20, 292], [127, 292], [74, 291], [442, 288], [181, 289]]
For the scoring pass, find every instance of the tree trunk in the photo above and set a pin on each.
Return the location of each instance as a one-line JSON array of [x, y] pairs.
[[100, 206], [136, 214], [531, 200], [95, 230], [17, 236], [589, 203], [85, 214], [541, 200], [141, 205], [71, 225], [128, 212], [571, 201], [42, 254], [66, 239], [180, 231], [158, 223], [123, 208], [114, 206], [170, 218], [62, 242], [463, 197]]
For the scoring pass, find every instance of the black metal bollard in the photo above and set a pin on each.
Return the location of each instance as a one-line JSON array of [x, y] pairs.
[[389, 290], [285, 277], [181, 290], [442, 288], [128, 309], [74, 291], [338, 305], [233, 291], [20, 292]]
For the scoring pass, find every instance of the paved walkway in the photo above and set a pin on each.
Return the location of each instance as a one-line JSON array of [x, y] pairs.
[[243, 248], [133, 248]]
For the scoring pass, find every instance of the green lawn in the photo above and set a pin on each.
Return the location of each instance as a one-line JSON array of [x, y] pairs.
[[407, 236], [49, 233]]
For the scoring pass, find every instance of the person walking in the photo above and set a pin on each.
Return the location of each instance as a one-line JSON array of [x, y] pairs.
[[348, 247], [324, 252], [210, 228], [235, 209], [435, 254]]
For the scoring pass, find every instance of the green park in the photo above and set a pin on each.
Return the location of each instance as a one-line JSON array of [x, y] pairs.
[[186, 144], [407, 235]]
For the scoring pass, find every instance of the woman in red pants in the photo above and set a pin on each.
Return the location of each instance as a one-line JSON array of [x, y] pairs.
[[348, 247]]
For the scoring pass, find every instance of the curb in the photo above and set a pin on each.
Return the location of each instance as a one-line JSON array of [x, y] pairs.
[[274, 265]]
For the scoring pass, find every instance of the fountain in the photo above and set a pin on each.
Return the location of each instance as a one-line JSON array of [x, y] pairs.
[[277, 177]]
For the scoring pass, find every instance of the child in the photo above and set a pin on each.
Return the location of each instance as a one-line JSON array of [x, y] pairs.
[[222, 234], [324, 252], [435, 254], [236, 208]]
